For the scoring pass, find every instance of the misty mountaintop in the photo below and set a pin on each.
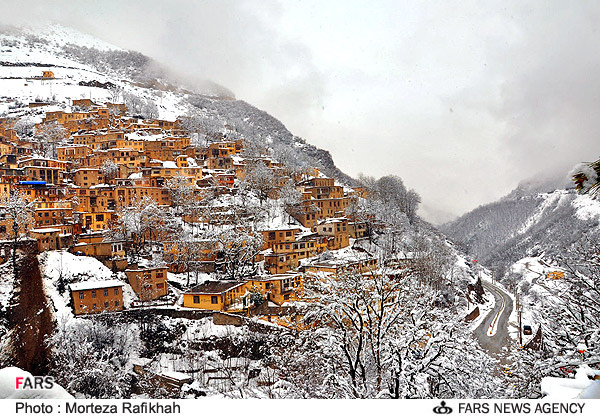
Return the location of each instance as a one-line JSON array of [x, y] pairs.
[[540, 217]]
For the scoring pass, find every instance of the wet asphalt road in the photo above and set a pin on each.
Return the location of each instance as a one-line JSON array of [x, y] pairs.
[[500, 313]]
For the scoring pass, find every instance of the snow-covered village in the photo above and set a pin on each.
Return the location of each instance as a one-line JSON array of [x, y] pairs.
[[164, 240]]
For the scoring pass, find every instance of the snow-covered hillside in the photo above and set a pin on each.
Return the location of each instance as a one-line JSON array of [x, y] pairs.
[[85, 67], [390, 261], [24, 56], [523, 225], [543, 246]]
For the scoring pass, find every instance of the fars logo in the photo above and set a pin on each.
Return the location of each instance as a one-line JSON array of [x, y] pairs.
[[34, 382]]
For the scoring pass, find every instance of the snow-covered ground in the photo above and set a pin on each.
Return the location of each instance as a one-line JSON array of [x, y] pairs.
[[8, 377], [75, 269], [551, 201], [484, 309], [22, 80], [532, 286], [579, 387], [587, 208], [465, 268], [6, 284]]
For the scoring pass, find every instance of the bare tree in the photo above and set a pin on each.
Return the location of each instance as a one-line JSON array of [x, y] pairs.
[[48, 136], [390, 334], [259, 178], [135, 223], [115, 93], [18, 211], [182, 192], [237, 250], [110, 170]]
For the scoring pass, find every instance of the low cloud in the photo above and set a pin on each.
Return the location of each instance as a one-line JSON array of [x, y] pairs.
[[463, 101]]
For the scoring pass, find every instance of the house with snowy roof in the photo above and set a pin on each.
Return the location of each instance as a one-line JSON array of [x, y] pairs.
[[84, 103], [216, 295], [93, 297], [278, 288], [337, 232], [110, 253], [51, 238], [73, 153], [340, 265], [275, 236]]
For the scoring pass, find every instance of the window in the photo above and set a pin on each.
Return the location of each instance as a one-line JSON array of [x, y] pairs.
[[159, 274], [116, 291], [94, 306], [160, 285], [214, 300], [94, 294], [288, 234], [116, 303], [105, 292], [196, 299], [99, 218], [106, 304], [80, 295]]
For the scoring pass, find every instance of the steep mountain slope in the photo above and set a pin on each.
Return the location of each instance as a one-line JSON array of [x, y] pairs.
[[543, 247], [85, 67], [442, 287], [527, 222]]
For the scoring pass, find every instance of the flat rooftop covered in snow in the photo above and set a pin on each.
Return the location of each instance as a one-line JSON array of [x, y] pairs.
[[45, 230], [98, 284]]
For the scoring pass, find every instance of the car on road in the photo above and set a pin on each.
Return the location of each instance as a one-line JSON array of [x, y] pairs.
[[527, 330]]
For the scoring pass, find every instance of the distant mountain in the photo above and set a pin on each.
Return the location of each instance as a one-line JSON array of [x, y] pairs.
[[538, 217]]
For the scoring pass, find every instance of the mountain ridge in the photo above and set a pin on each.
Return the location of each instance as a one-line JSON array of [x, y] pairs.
[[526, 222]]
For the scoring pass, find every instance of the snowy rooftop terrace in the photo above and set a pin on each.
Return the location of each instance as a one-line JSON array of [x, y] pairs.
[[76, 287]]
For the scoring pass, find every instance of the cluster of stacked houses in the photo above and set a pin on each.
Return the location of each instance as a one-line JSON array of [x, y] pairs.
[[104, 160]]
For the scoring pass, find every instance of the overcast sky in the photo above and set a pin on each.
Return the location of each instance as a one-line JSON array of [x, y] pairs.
[[463, 99]]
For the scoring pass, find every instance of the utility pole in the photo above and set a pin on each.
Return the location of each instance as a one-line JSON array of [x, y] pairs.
[[520, 326]]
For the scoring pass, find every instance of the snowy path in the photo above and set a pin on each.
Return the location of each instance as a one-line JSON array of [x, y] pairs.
[[493, 331]]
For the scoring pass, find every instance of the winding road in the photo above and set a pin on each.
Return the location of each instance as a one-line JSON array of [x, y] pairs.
[[497, 317]]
